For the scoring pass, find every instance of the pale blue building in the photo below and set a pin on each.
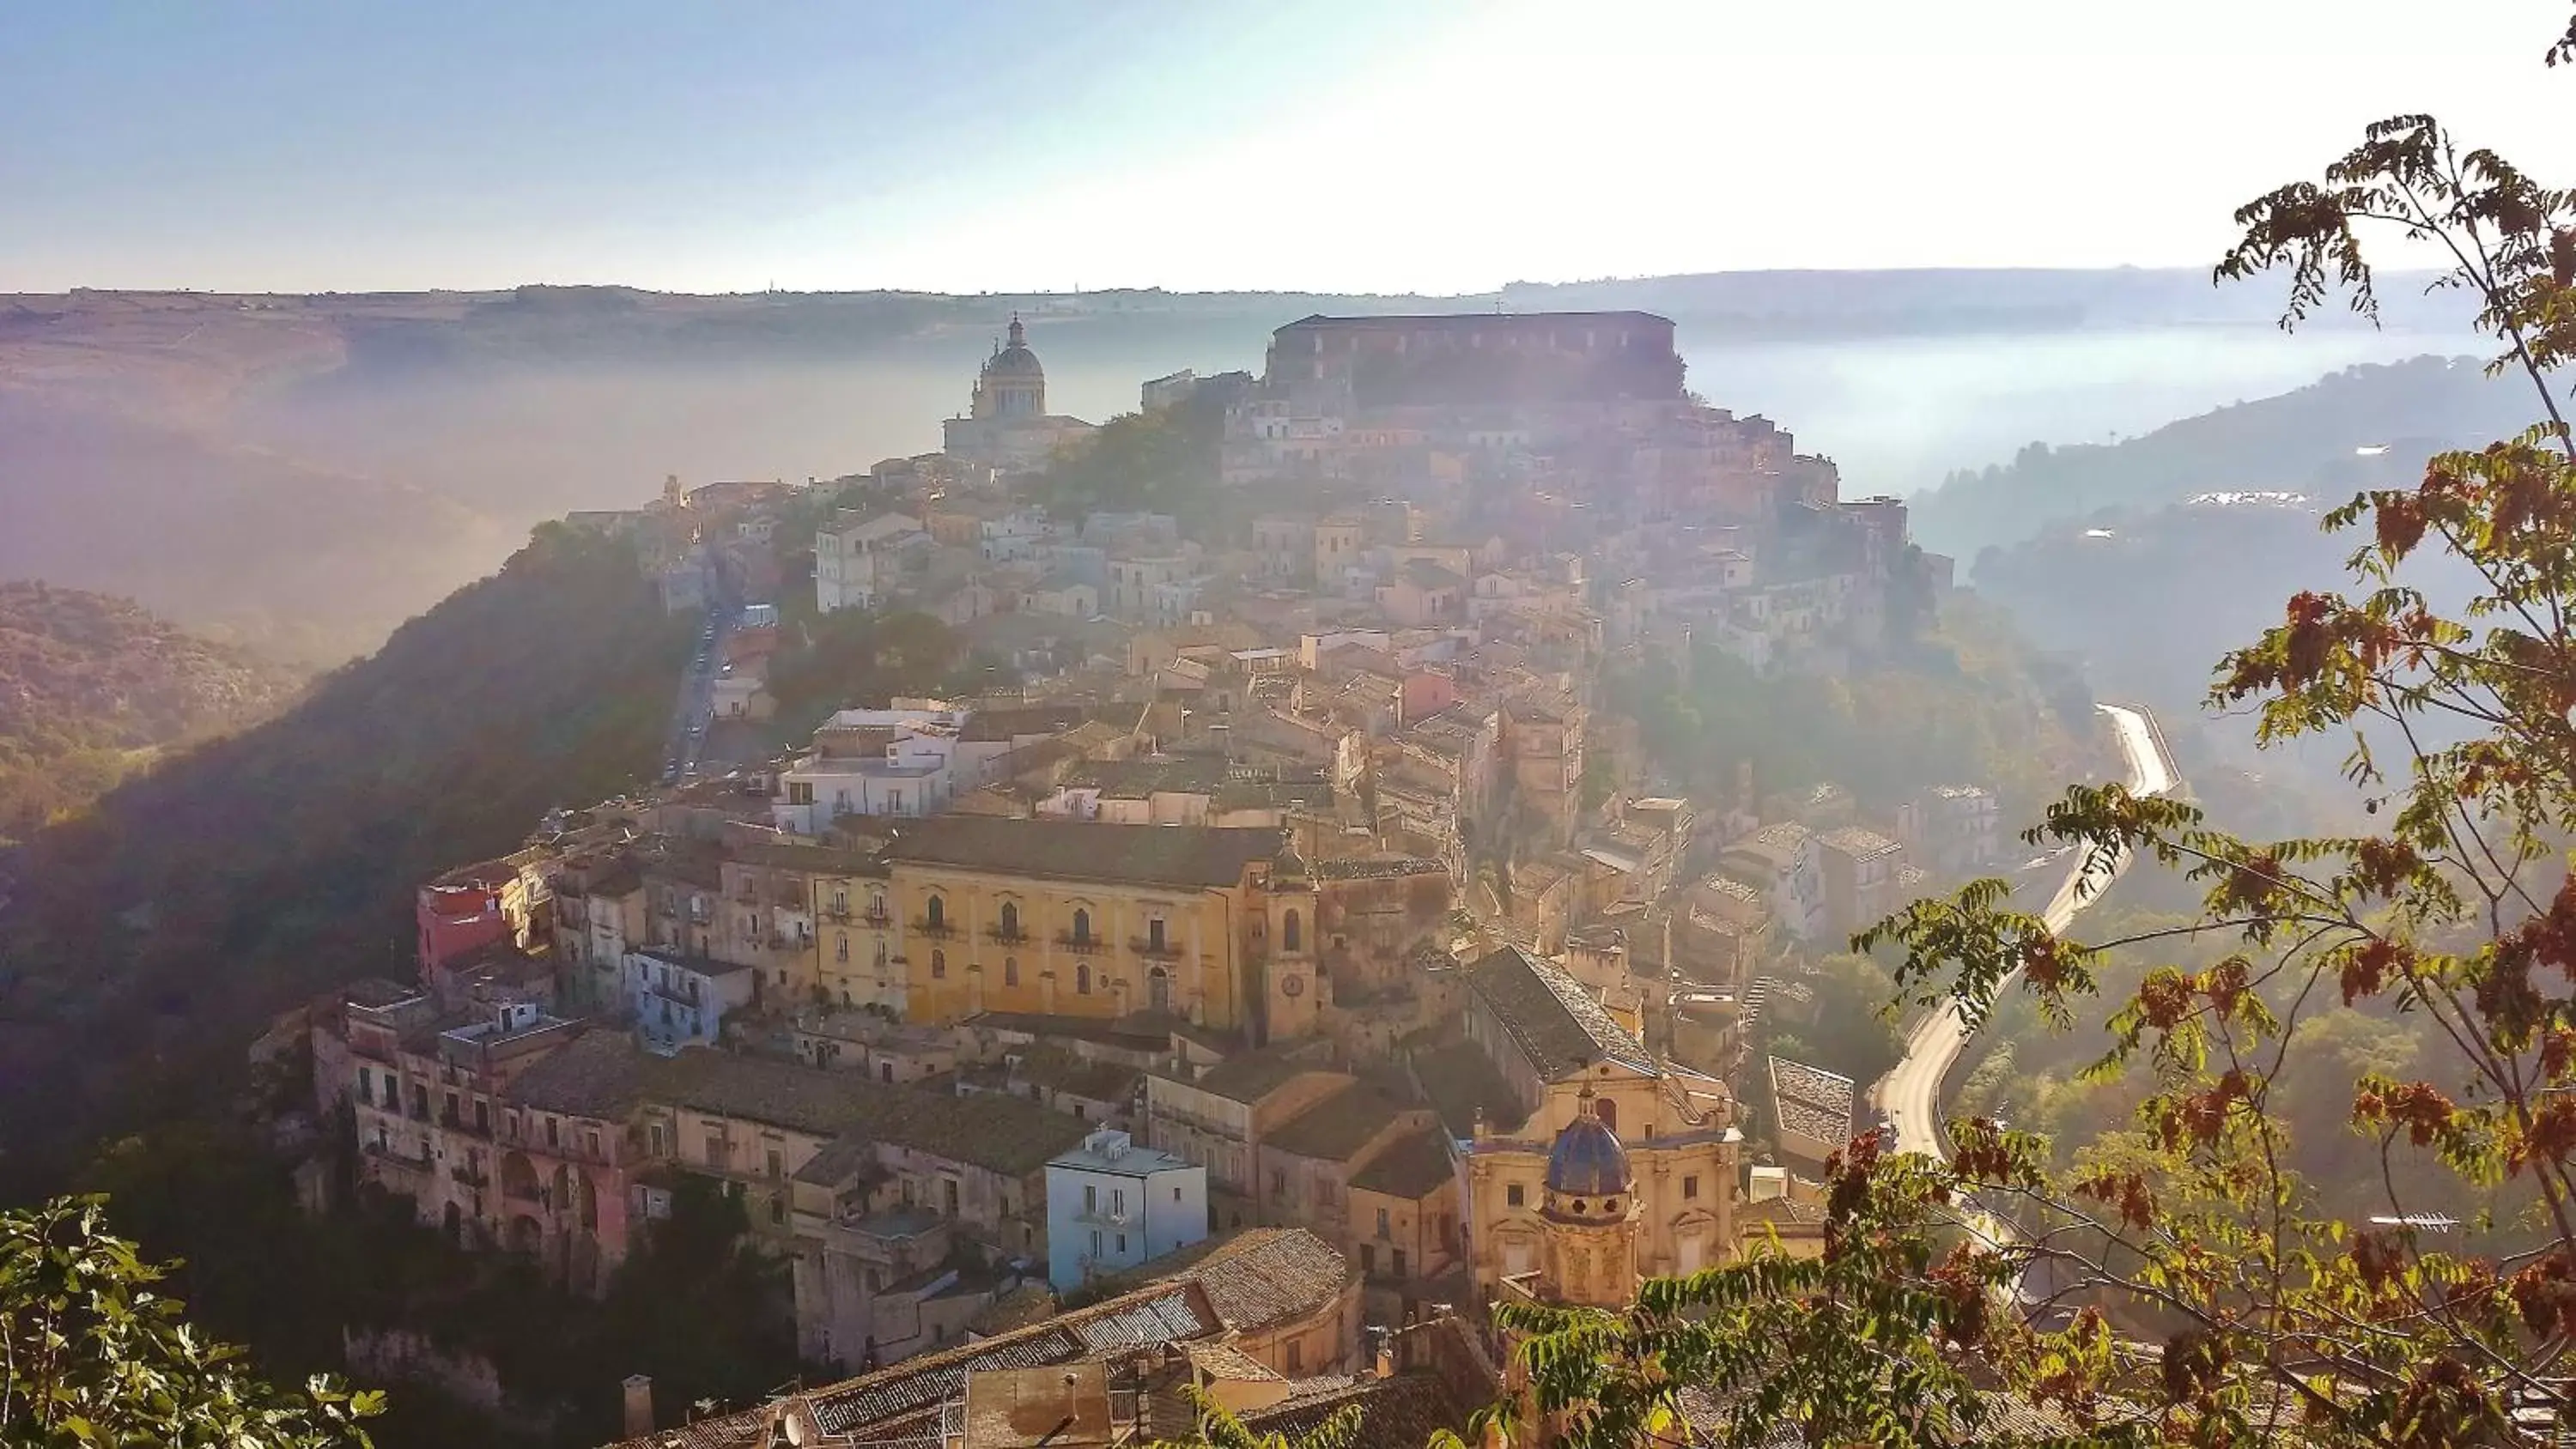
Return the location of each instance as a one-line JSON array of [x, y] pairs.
[[1112, 1205]]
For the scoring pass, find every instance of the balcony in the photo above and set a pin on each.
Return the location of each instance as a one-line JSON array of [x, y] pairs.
[[470, 1176], [1085, 945], [1106, 1217], [1158, 950], [839, 911], [1011, 937], [877, 916], [923, 927]]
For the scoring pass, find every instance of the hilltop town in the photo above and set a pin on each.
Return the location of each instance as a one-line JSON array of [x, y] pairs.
[[1292, 952]]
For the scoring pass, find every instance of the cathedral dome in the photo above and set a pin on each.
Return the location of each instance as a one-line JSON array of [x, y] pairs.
[[1015, 359], [1587, 1160]]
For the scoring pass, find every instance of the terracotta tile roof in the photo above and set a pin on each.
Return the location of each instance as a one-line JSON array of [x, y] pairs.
[[1193, 856], [1339, 1125], [984, 1130], [1459, 1078], [1400, 1412], [1057, 1069], [1412, 1167], [1377, 867], [597, 1074], [1550, 1016], [1247, 1077], [1859, 842], [1264, 1276]]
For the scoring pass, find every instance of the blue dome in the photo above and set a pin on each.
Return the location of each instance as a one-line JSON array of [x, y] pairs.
[[1587, 1160]]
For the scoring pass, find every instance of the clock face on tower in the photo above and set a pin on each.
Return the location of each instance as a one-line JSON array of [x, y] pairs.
[[1292, 986]]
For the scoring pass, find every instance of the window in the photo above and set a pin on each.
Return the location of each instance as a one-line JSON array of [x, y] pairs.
[[778, 1209], [1118, 1201], [1176, 1194], [948, 1191], [938, 914], [367, 1086], [1082, 977], [393, 1093], [1090, 1197], [1296, 1357], [554, 1132], [1383, 1229], [715, 1149], [1514, 1196], [885, 1072], [1607, 1111], [1122, 1242], [1278, 1183], [1690, 1187], [1368, 1258], [841, 951], [1154, 934], [938, 965], [483, 1118], [1010, 921], [1289, 933], [590, 1141], [894, 802], [1010, 968], [654, 1141], [1399, 1262], [448, 1110], [840, 898], [1081, 926]]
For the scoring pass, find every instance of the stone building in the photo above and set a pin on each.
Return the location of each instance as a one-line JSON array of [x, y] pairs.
[[1006, 424]]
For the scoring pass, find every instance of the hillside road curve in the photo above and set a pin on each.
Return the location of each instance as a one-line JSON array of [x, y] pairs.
[[1911, 1094]]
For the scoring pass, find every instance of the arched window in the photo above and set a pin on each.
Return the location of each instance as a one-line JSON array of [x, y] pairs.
[[1081, 924], [938, 913], [1010, 971], [841, 951], [1289, 936], [1010, 921], [1607, 1111], [1082, 977], [938, 965]]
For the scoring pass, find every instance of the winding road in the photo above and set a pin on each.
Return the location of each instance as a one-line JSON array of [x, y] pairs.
[[1911, 1094]]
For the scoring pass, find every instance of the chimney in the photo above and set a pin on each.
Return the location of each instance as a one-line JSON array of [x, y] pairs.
[[1385, 1359], [639, 1405]]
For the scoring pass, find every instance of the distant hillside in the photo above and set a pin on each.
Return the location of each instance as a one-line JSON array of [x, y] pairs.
[[2304, 441], [148, 939], [92, 686]]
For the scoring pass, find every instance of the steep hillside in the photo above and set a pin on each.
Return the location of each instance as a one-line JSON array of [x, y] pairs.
[[146, 940], [2304, 441], [91, 686]]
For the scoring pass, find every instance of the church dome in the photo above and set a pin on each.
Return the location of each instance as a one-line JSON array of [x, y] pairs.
[[1587, 1160], [1015, 359]]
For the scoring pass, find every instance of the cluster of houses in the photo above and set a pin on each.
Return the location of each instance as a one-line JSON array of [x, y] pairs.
[[1301, 949]]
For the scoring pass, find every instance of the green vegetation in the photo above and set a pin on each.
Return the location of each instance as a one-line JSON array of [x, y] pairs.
[[149, 938], [694, 1305], [1843, 1030], [2390, 1010], [91, 1353], [1159, 462], [91, 687], [854, 656], [1970, 704]]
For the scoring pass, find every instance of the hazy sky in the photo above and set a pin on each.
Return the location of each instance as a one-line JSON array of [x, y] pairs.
[[1375, 145]]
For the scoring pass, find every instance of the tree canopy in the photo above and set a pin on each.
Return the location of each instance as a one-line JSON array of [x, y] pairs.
[[91, 1355], [2177, 1277]]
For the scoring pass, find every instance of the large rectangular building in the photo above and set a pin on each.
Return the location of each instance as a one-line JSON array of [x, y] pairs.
[[1479, 357]]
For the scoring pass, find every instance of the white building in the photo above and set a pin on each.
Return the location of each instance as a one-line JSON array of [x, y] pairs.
[[1112, 1205], [872, 762], [856, 560], [681, 1001]]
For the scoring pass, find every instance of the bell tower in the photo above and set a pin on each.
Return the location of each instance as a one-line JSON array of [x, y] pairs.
[[1294, 989], [1589, 1210]]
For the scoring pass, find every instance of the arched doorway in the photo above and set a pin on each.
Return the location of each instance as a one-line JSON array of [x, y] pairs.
[[1158, 986], [525, 1235], [518, 1178]]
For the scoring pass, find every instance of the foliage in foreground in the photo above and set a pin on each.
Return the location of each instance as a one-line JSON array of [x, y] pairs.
[[91, 1355], [2178, 1282]]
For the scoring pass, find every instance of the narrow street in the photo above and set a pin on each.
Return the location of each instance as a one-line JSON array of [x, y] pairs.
[[691, 714]]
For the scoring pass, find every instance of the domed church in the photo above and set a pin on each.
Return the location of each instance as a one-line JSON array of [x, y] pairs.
[[1007, 425], [1588, 1208]]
